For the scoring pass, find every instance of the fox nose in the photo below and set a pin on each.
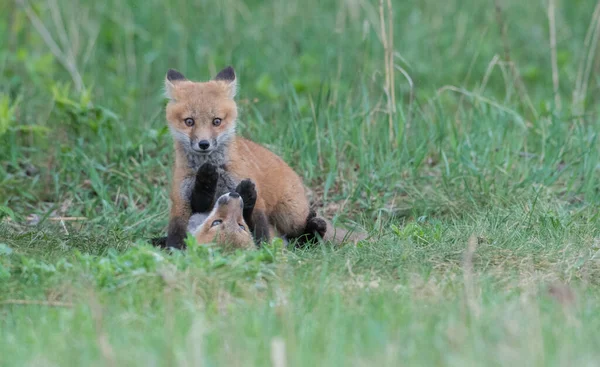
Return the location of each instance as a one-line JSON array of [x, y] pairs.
[[235, 195], [223, 200], [203, 144]]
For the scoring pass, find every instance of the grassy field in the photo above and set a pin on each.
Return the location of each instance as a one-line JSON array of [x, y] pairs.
[[462, 135]]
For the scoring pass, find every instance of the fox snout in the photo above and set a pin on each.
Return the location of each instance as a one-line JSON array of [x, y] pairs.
[[203, 145], [230, 197]]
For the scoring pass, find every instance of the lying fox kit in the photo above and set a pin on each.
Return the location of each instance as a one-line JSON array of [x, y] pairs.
[[224, 225]]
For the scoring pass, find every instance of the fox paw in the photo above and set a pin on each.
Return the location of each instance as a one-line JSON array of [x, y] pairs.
[[315, 229], [247, 191], [316, 225], [159, 242], [207, 176]]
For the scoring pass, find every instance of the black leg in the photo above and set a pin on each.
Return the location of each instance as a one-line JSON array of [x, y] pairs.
[[247, 191], [205, 187], [257, 221], [176, 233], [261, 227]]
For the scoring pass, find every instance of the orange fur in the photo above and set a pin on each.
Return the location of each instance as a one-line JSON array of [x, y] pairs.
[[280, 190]]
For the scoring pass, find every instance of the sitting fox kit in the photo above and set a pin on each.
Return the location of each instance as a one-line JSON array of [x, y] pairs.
[[202, 118]]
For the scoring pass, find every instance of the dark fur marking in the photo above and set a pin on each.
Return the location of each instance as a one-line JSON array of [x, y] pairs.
[[261, 227], [205, 187], [174, 75], [226, 74], [247, 191], [159, 242], [257, 221], [176, 233], [315, 230]]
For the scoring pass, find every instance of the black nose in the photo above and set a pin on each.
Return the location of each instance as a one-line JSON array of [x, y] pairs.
[[203, 144], [234, 194]]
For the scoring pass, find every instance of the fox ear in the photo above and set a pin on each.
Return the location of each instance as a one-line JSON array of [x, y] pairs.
[[173, 76], [227, 76]]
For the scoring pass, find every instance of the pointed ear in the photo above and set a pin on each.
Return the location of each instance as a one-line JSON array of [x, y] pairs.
[[227, 76], [173, 76]]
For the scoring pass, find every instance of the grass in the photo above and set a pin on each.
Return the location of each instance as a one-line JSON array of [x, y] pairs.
[[482, 199]]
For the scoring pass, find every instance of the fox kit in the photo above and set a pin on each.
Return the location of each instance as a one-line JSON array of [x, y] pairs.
[[202, 119], [224, 225]]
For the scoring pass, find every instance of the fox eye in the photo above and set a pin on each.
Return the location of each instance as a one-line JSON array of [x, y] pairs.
[[216, 222], [189, 121], [217, 121], [242, 227]]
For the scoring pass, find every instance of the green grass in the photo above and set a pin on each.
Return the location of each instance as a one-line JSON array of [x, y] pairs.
[[482, 201]]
